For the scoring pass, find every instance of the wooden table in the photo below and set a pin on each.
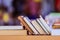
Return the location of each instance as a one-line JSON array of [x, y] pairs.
[[29, 37]]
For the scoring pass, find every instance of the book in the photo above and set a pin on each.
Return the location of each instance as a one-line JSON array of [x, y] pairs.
[[28, 21], [55, 32], [25, 24], [38, 27], [42, 25], [57, 5], [10, 27], [13, 32], [45, 24], [56, 24], [56, 27]]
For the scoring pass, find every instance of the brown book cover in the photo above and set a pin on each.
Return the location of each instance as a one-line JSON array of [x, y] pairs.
[[56, 25], [25, 24]]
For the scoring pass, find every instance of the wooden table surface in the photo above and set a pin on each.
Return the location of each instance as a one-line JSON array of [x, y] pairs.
[[29, 37]]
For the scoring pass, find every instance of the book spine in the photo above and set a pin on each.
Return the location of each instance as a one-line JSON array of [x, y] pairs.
[[25, 24], [42, 26], [45, 24], [37, 26], [30, 25]]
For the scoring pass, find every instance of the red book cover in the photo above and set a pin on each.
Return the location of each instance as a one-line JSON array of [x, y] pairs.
[[57, 5]]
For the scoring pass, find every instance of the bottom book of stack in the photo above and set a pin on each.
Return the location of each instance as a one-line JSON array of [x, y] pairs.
[[55, 32], [13, 32]]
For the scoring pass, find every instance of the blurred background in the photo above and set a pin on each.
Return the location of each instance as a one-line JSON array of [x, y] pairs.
[[11, 9]]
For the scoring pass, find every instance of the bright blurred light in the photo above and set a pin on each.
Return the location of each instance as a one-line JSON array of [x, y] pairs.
[[6, 17]]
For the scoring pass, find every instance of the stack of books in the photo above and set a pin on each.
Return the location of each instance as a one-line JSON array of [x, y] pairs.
[[56, 27], [53, 20], [37, 26], [12, 30], [56, 24]]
